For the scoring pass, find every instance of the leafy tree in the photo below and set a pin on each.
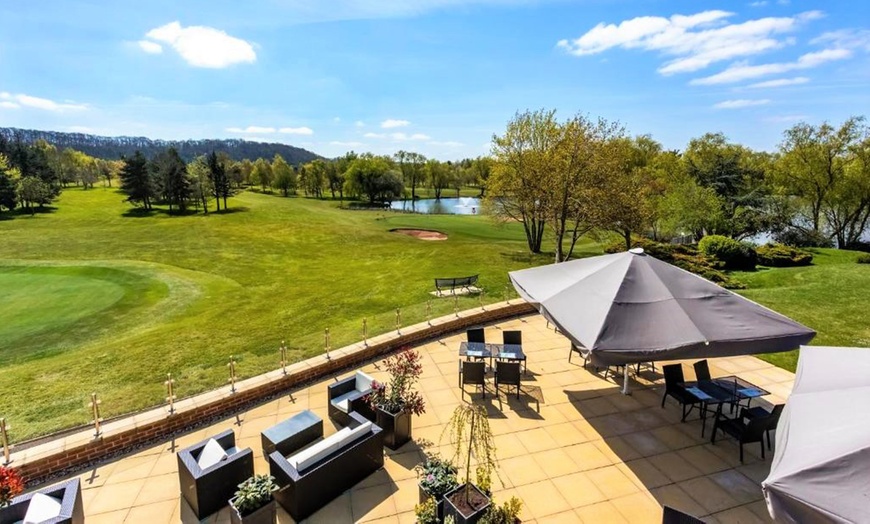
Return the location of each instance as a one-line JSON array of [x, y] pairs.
[[822, 167], [199, 173], [481, 168], [335, 178], [8, 184], [32, 191], [371, 176], [285, 176], [137, 181], [412, 167], [439, 175], [628, 192], [315, 178], [262, 173], [524, 160]]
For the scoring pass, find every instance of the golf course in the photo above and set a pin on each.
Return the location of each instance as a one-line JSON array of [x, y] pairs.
[[97, 298]]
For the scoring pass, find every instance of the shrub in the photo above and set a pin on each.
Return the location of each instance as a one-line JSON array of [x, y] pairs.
[[427, 512], [800, 238], [437, 476], [254, 493], [10, 485], [734, 254], [864, 259], [778, 255], [507, 513], [858, 246]]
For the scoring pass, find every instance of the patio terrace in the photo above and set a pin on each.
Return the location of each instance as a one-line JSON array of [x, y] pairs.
[[572, 448]]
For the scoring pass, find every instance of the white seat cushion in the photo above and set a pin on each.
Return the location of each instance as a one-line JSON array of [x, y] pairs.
[[343, 402], [41, 508], [318, 451], [363, 382], [211, 454], [356, 433]]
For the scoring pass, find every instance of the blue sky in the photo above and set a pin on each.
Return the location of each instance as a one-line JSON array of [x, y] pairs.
[[434, 76]]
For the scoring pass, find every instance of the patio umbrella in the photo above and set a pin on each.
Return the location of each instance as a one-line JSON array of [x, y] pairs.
[[821, 466], [631, 307]]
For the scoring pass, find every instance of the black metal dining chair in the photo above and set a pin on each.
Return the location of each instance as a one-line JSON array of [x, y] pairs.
[[673, 378], [473, 372], [772, 418], [515, 338], [476, 335], [507, 373], [744, 432], [702, 370]]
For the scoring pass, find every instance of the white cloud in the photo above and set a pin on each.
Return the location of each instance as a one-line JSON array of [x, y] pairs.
[[398, 137], [695, 41], [781, 82], [336, 119], [251, 129], [202, 46], [359, 123], [11, 101], [296, 130], [786, 118], [740, 103], [762, 3], [391, 123], [742, 71], [450, 143], [346, 144], [152, 48], [845, 39], [374, 135]]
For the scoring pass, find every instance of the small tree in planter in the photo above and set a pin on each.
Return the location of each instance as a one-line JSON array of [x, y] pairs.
[[253, 503], [437, 478], [469, 431], [395, 401]]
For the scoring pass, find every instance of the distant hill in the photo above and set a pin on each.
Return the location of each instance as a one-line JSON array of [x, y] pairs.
[[112, 148]]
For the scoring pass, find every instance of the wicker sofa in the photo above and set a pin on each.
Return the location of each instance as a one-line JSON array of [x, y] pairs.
[[348, 395], [209, 489], [68, 493], [315, 475]]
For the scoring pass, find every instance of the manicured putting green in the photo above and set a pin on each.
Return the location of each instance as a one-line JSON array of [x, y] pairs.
[[48, 306]]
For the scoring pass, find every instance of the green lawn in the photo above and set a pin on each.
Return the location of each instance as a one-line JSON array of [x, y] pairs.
[[110, 301]]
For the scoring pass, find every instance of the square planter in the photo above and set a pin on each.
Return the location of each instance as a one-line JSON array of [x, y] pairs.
[[397, 428], [480, 503], [268, 514]]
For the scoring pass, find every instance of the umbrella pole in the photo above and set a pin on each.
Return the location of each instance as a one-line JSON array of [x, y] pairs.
[[625, 390]]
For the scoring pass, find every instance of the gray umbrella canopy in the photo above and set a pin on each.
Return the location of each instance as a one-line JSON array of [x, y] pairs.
[[631, 307], [821, 466]]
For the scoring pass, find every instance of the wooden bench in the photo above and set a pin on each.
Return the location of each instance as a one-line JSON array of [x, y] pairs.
[[442, 284]]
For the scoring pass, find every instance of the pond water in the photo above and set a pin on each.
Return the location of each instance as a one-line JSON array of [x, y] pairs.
[[445, 206]]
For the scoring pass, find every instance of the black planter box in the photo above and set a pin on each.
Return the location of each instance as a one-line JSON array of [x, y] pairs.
[[268, 514], [397, 428], [459, 518]]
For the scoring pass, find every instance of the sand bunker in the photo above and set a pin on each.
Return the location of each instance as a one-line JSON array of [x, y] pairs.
[[422, 234]]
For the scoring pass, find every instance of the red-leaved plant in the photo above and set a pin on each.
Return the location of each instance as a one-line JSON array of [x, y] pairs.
[[398, 393], [10, 485]]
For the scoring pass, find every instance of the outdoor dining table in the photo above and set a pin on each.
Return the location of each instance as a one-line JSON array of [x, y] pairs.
[[722, 390], [486, 350]]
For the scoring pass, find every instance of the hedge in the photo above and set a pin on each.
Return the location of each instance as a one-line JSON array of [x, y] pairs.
[[778, 255]]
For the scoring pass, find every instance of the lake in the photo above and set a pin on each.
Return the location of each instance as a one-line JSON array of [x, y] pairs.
[[445, 206]]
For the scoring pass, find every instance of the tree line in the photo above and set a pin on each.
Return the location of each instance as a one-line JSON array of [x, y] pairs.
[[584, 175]]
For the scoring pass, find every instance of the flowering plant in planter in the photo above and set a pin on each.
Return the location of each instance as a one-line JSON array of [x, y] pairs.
[[10, 485], [398, 394], [437, 476]]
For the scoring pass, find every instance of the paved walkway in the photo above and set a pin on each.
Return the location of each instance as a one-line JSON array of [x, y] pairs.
[[572, 448]]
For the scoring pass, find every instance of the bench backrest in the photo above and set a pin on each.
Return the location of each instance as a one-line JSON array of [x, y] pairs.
[[455, 282]]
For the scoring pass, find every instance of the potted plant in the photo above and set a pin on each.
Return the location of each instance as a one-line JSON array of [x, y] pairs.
[[395, 401], [11, 485], [253, 502], [426, 512], [507, 513], [437, 477], [469, 432]]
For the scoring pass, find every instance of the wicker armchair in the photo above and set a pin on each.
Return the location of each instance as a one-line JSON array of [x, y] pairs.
[[69, 493], [208, 490]]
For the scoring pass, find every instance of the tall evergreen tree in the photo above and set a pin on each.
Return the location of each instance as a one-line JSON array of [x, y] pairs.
[[172, 172], [137, 181], [220, 181]]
